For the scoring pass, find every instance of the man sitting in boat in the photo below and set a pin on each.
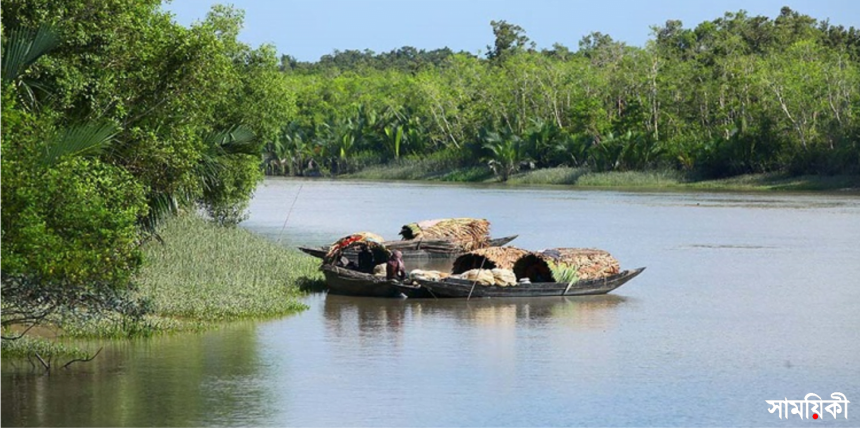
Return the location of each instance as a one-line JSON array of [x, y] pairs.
[[395, 269]]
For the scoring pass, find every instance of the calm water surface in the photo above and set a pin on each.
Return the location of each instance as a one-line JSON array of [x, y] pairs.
[[747, 298]]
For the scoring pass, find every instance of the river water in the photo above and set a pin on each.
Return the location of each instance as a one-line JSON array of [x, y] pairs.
[[746, 298]]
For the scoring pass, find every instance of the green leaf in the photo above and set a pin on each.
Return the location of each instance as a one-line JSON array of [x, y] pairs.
[[81, 140], [24, 47]]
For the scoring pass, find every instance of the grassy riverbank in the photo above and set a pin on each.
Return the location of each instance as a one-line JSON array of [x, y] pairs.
[[581, 177], [200, 276]]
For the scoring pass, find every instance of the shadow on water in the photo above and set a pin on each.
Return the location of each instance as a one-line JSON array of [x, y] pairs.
[[309, 285]]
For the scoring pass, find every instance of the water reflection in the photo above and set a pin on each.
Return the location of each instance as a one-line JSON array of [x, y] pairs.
[[185, 380], [346, 316]]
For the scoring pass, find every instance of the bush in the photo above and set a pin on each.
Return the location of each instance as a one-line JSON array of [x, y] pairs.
[[74, 221]]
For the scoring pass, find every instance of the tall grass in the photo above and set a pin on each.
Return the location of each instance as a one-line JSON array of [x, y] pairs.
[[549, 176], [30, 345], [440, 166], [204, 274], [781, 182], [449, 169], [634, 179]]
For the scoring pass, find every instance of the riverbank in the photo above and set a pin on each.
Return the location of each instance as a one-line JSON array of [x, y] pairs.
[[201, 276], [581, 177]]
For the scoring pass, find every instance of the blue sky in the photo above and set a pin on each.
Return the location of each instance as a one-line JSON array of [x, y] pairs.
[[309, 29]]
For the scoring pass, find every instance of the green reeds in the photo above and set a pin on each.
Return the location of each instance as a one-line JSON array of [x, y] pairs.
[[203, 274], [563, 273]]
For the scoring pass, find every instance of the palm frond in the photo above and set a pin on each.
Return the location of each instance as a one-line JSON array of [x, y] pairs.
[[81, 140], [237, 139], [24, 47], [161, 206]]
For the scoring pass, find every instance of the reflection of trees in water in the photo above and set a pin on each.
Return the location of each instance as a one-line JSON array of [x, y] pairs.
[[185, 380]]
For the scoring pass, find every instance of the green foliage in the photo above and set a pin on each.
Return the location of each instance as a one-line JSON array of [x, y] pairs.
[[227, 194], [506, 150], [563, 273], [182, 116], [82, 140], [738, 94], [74, 221]]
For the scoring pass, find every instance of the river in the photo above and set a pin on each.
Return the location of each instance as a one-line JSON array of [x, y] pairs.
[[747, 297]]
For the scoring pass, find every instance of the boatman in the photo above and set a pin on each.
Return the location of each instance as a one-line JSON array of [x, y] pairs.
[[395, 269]]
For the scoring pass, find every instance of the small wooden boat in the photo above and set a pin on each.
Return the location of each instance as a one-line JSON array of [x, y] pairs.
[[459, 288], [344, 281], [414, 248]]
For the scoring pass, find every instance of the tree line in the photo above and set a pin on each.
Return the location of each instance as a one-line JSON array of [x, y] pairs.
[[738, 94]]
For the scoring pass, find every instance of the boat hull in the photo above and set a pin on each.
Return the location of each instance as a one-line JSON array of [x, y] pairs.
[[342, 281], [455, 288]]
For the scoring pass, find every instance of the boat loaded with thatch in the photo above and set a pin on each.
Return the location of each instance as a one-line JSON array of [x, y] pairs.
[[344, 276], [445, 238], [511, 272]]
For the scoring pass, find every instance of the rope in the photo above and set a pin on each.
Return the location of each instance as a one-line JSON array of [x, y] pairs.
[[290, 212], [476, 280]]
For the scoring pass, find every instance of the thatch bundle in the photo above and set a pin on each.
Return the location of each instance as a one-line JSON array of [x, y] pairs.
[[467, 233], [589, 263], [488, 258], [373, 242]]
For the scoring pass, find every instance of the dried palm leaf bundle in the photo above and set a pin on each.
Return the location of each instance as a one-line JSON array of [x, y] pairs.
[[373, 242], [467, 233], [488, 258], [588, 264]]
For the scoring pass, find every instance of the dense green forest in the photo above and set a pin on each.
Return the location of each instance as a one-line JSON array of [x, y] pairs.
[[114, 117], [739, 94]]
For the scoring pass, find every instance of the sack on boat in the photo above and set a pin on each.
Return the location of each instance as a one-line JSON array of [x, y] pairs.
[[481, 277], [494, 277], [380, 271], [503, 277], [427, 275]]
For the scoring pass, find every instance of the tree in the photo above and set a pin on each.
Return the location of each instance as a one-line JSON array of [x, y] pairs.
[[509, 39]]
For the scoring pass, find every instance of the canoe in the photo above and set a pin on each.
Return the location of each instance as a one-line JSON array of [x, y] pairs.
[[459, 288], [343, 281], [414, 248]]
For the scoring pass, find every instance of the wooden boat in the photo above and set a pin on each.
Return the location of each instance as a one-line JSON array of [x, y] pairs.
[[414, 248], [343, 281], [459, 288]]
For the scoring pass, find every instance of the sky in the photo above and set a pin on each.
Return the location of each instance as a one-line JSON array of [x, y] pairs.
[[309, 29]]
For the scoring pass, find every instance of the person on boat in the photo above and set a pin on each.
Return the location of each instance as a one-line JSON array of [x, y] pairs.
[[395, 269], [365, 259]]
